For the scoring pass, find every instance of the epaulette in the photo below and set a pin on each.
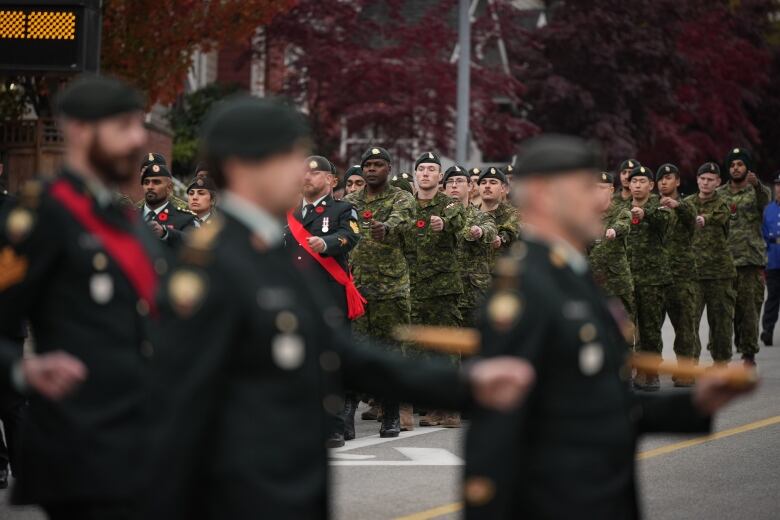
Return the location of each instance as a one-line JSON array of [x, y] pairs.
[[199, 244], [179, 203]]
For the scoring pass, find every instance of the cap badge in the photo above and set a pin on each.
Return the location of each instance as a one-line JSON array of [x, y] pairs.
[[603, 176], [430, 155], [375, 151], [630, 164], [313, 165], [668, 169], [736, 150], [151, 156], [200, 182], [156, 169]]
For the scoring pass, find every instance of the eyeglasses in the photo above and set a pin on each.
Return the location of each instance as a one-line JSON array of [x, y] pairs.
[[461, 180]]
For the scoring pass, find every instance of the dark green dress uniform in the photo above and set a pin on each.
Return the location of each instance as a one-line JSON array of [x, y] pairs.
[[256, 361], [173, 220], [151, 159], [569, 451]]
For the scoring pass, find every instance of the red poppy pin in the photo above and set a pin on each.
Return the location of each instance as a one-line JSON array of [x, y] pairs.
[[367, 214], [319, 209], [162, 216], [420, 223], [635, 220], [733, 208]]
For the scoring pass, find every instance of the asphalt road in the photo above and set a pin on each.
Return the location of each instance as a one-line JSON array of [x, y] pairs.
[[733, 475]]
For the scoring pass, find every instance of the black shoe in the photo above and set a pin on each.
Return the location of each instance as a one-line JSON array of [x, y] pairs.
[[766, 337], [391, 420], [350, 407], [749, 360], [3, 478], [336, 440], [647, 383]]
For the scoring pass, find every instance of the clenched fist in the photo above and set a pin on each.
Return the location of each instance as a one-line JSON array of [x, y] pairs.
[[501, 383]]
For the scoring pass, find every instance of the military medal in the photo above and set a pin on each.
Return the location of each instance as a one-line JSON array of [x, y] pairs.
[[325, 222]]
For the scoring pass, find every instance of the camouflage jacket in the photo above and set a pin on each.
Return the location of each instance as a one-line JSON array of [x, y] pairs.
[[508, 225], [679, 241], [432, 255], [608, 258], [647, 254], [747, 211], [474, 255], [379, 267], [619, 202], [713, 257]]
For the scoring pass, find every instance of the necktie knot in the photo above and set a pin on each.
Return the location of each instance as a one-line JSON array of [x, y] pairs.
[[308, 209]]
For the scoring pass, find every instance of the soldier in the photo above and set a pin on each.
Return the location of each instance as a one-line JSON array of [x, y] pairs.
[[405, 181], [474, 198], [608, 257], [256, 356], [166, 220], [770, 228], [680, 296], [474, 245], [746, 197], [492, 185], [153, 158], [569, 451], [624, 170], [353, 179], [649, 267], [202, 199], [436, 286], [83, 270], [381, 273], [715, 270]]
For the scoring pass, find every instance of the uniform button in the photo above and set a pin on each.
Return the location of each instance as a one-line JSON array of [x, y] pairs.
[[142, 307], [160, 266], [299, 258], [286, 322], [99, 261], [147, 349], [330, 361]]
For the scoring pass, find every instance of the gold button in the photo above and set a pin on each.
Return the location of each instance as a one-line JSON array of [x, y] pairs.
[[100, 261], [588, 333], [286, 322]]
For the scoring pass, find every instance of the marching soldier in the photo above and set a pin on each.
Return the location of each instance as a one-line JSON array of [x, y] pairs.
[[570, 450], [746, 198], [404, 181], [492, 185], [474, 245], [624, 171], [202, 198], [256, 356], [353, 179], [166, 220], [680, 296], [153, 158], [649, 267], [436, 285], [715, 270], [84, 271], [474, 198], [608, 256]]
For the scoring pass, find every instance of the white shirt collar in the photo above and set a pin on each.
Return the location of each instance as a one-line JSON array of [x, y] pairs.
[[259, 221], [315, 203], [157, 211]]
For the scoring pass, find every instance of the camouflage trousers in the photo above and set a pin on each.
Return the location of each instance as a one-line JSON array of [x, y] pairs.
[[719, 297], [470, 301], [749, 288], [440, 311], [627, 300], [649, 317], [680, 303], [381, 318]]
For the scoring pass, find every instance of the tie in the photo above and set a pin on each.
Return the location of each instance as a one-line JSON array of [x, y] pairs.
[[149, 216], [307, 209]]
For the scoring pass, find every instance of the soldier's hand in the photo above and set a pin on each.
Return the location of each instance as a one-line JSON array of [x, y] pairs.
[[378, 230], [669, 202], [53, 375], [437, 223], [501, 383], [637, 213], [752, 178], [714, 391], [700, 221], [610, 234], [316, 244], [475, 232], [156, 228], [496, 243]]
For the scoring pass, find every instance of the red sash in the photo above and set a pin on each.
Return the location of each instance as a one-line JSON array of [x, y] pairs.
[[123, 247], [355, 300]]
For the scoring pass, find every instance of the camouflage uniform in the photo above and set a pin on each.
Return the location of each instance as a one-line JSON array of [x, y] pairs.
[[609, 261], [474, 259], [749, 252], [715, 275], [432, 257], [380, 270], [619, 202], [650, 270], [508, 224], [681, 294]]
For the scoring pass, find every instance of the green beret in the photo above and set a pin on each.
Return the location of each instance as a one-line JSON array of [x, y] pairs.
[[202, 183], [742, 154], [353, 170], [402, 181], [155, 170], [91, 98], [154, 158], [455, 171], [708, 167], [317, 163], [492, 173], [508, 170], [641, 171], [427, 157], [251, 128], [375, 152], [606, 178], [556, 154], [475, 171], [628, 164], [666, 169]]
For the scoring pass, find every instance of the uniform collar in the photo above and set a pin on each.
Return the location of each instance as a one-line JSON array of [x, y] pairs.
[[103, 196], [316, 202], [157, 211], [259, 221], [576, 261]]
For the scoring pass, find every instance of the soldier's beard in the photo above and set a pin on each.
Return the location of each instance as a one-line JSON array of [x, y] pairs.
[[738, 175], [113, 169]]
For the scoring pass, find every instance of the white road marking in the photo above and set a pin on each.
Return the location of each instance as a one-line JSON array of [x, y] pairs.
[[351, 456], [416, 456], [373, 440]]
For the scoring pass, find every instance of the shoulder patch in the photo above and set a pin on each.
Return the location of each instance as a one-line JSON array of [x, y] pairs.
[[19, 223], [13, 268]]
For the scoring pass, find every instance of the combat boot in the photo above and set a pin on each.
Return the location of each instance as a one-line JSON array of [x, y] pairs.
[[391, 420], [749, 360], [350, 406], [335, 440], [647, 382], [407, 418], [432, 418], [766, 337], [373, 413]]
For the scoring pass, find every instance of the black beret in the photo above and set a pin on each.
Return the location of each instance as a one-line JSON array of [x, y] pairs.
[[200, 168], [375, 152], [708, 167], [666, 169], [154, 158], [427, 157], [475, 171], [455, 171], [556, 154], [247, 127], [606, 178], [353, 170], [155, 170], [318, 163], [91, 98], [777, 177], [641, 171], [628, 164], [202, 183], [742, 154], [492, 173], [509, 170], [403, 181]]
